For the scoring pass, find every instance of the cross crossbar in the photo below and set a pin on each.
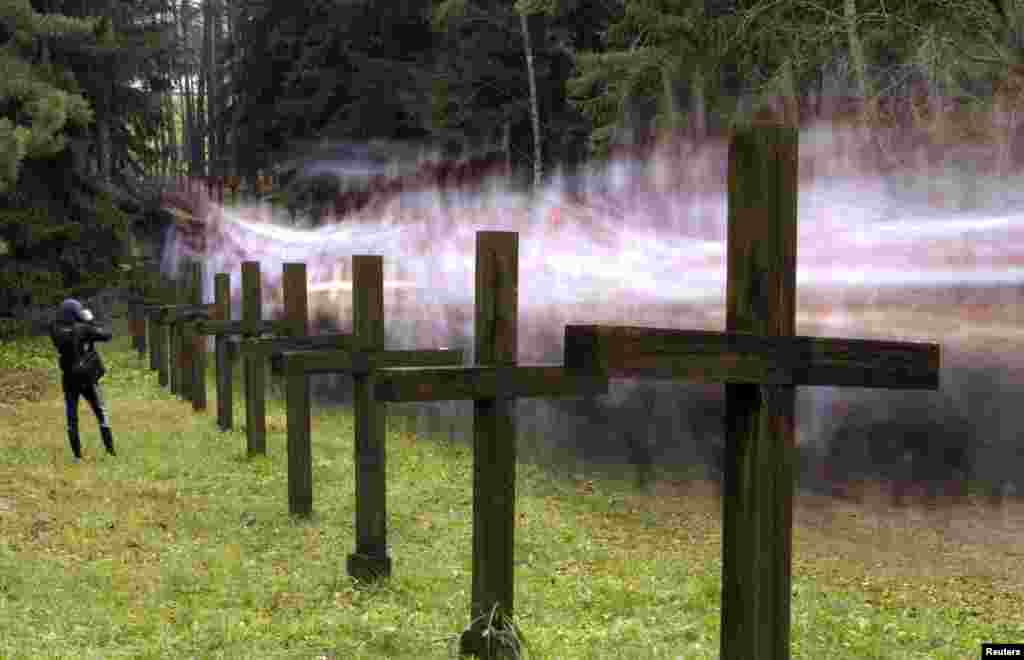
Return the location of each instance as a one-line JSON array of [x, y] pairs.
[[741, 357], [364, 361], [486, 382], [272, 347], [167, 348], [176, 313], [211, 327]]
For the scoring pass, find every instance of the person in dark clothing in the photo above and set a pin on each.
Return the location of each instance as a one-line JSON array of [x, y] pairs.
[[73, 334]]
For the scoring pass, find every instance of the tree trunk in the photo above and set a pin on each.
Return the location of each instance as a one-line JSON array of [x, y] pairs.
[[790, 97], [210, 85], [507, 146], [538, 163], [220, 12], [171, 130], [202, 93], [227, 41], [103, 146], [187, 124], [673, 116], [699, 110], [860, 63]]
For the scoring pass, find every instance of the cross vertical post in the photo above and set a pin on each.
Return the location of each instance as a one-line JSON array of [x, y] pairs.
[[173, 349], [757, 492], [370, 558], [161, 347], [179, 379], [254, 369], [494, 434], [177, 316], [296, 309], [222, 312], [196, 363], [300, 453], [136, 322], [154, 340]]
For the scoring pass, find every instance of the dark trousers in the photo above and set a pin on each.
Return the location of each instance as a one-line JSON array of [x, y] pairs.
[[74, 388]]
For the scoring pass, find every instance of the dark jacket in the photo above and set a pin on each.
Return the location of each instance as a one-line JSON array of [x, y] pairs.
[[73, 333], [72, 340]]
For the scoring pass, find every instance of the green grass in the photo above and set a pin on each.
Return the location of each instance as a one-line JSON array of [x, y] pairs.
[[182, 548]]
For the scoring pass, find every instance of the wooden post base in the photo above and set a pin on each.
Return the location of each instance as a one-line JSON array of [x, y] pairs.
[[491, 647], [368, 568]]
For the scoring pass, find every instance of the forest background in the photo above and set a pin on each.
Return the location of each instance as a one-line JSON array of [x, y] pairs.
[[103, 102]]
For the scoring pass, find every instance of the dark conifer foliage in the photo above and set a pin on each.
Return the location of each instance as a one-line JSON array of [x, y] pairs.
[[102, 100]]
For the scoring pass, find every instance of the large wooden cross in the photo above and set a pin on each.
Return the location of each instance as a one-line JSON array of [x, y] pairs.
[[252, 324], [174, 357], [257, 349], [760, 361], [359, 354], [217, 323], [493, 385], [137, 321], [167, 322], [187, 292], [221, 327]]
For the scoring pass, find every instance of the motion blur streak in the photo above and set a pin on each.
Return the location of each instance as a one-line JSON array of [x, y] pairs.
[[928, 252]]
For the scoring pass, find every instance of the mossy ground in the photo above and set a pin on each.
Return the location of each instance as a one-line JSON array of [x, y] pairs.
[[180, 547]]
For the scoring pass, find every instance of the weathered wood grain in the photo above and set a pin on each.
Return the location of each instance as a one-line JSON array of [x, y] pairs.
[[370, 560], [757, 493], [227, 327], [271, 347], [222, 359], [254, 369], [495, 330], [357, 361], [738, 357], [491, 382]]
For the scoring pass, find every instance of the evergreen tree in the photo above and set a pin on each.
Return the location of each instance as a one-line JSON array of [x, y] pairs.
[[74, 113], [324, 69], [40, 99]]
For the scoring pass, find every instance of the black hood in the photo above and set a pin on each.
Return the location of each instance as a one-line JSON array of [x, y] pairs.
[[70, 311]]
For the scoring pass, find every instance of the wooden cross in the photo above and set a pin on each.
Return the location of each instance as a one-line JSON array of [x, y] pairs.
[[188, 325], [199, 320], [157, 342], [172, 345], [360, 354], [137, 322], [151, 313], [493, 385], [221, 327], [760, 361], [189, 297], [168, 320], [256, 349]]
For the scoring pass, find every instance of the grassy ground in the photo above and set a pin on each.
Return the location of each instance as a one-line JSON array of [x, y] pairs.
[[182, 548]]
